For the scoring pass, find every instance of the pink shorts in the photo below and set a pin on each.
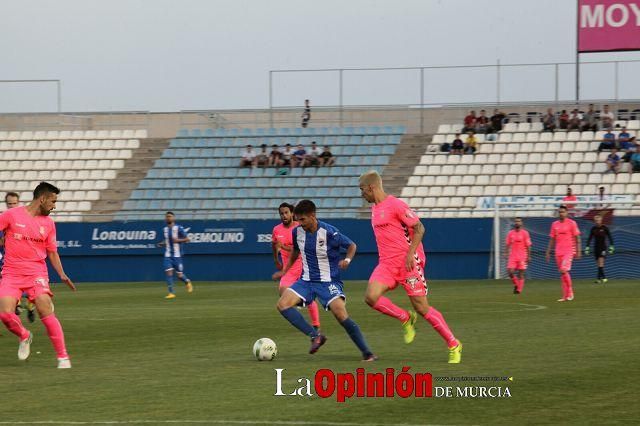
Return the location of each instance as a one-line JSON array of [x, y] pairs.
[[518, 265], [564, 261], [291, 277], [393, 274], [33, 285]]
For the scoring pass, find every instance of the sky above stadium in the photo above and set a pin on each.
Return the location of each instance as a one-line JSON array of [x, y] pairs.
[[162, 55]]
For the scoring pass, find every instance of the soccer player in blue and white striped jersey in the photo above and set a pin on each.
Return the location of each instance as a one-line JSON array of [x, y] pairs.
[[320, 246], [174, 237]]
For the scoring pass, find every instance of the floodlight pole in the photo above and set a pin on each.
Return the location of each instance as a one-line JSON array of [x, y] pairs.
[[577, 52], [496, 242]]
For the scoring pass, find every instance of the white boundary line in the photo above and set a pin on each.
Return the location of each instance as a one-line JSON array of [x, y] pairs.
[[527, 307]]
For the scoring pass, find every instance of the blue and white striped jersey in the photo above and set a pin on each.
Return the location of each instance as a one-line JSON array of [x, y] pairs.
[[173, 249], [320, 252]]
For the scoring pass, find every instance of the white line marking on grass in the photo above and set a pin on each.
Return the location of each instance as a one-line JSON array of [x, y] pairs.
[[527, 307], [235, 422]]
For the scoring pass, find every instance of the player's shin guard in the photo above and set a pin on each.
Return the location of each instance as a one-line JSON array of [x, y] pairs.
[[297, 320], [387, 307], [14, 325], [54, 330], [355, 334], [314, 315], [170, 283], [435, 318]]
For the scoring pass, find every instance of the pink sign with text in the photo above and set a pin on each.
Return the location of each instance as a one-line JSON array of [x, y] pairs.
[[606, 25]]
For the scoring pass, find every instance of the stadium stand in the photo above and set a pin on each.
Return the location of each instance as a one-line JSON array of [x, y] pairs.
[[522, 160], [198, 175], [82, 163]]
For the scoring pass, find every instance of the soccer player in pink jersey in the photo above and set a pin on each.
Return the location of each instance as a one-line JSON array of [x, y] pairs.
[[399, 233], [282, 244], [518, 244], [565, 236], [30, 237]]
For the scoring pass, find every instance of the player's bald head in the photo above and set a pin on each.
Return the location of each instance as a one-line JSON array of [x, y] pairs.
[[371, 178]]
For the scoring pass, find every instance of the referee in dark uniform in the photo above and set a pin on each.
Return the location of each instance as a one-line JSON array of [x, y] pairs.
[[600, 233]]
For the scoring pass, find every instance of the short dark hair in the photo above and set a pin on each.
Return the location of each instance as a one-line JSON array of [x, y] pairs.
[[287, 205], [517, 217], [45, 188], [11, 194], [305, 207], [563, 207], [171, 213]]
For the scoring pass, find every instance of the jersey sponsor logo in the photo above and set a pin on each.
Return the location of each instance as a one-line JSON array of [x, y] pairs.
[[320, 242], [333, 289], [20, 225]]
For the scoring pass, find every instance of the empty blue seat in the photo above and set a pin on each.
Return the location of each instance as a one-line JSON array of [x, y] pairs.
[[221, 131], [196, 132], [388, 149], [355, 203], [362, 150], [183, 132]]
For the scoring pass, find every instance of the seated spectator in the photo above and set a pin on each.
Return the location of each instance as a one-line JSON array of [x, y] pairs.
[[457, 147], [471, 144], [606, 118], [574, 120], [496, 121], [589, 121], [608, 141], [482, 122], [635, 161], [326, 158], [445, 147], [286, 158], [627, 149], [299, 156], [549, 121], [248, 157], [275, 157], [623, 137], [613, 161], [313, 156], [569, 200], [563, 120], [262, 158], [469, 122]]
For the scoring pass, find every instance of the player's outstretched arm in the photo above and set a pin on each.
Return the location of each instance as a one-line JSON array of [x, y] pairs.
[[54, 258], [274, 248], [351, 252], [578, 247], [292, 259]]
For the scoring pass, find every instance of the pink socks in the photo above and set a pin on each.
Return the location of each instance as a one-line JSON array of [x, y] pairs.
[[435, 318], [14, 325], [567, 286], [314, 314], [54, 330], [387, 307]]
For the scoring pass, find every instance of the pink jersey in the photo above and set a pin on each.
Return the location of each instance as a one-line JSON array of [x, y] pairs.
[[518, 242], [284, 236], [565, 235], [27, 241], [393, 223]]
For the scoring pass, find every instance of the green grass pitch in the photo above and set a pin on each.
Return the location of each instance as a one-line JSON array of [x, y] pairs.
[[138, 358]]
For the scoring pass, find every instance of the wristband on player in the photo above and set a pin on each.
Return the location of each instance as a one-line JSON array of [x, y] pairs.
[[346, 259]]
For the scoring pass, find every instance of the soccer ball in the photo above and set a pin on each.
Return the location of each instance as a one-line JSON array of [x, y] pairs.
[[265, 349]]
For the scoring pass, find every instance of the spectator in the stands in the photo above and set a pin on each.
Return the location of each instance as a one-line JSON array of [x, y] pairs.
[[563, 120], [457, 146], [313, 156], [627, 148], [608, 141], [482, 122], [635, 161], [496, 121], [575, 119], [589, 121], [569, 200], [306, 114], [471, 144], [299, 155], [606, 118], [275, 156], [262, 158], [248, 157], [613, 161], [470, 122], [549, 121], [287, 159], [326, 158], [623, 138]]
